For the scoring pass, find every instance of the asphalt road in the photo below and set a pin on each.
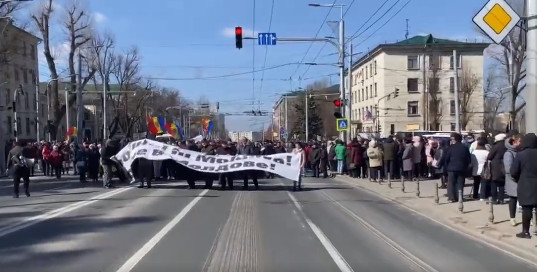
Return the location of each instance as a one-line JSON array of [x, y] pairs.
[[329, 226]]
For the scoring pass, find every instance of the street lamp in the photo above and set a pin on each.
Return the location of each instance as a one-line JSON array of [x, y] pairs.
[[341, 61], [18, 91]]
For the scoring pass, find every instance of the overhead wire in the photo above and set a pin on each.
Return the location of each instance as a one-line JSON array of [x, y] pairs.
[[356, 34], [316, 35], [385, 23], [266, 49]]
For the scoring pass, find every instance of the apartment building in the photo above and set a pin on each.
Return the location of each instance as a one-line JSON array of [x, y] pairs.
[[253, 136], [409, 86], [18, 79]]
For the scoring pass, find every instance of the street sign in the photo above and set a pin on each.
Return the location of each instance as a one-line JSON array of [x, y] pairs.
[[342, 124], [496, 19], [266, 38]]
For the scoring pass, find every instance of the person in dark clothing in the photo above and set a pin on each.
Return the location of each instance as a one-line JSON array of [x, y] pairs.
[[357, 158], [438, 163], [225, 177], [191, 180], [315, 159], [145, 168], [110, 149], [457, 162], [246, 148], [390, 154], [20, 169], [208, 149], [524, 173], [268, 149], [93, 162], [323, 163], [81, 162], [497, 169], [279, 148]]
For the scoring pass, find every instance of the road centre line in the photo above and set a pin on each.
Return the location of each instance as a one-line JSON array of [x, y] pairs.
[[327, 244], [147, 247], [405, 253], [28, 222]]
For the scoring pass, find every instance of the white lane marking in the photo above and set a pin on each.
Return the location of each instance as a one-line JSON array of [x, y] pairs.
[[137, 257], [531, 264], [57, 212], [330, 248], [405, 253]]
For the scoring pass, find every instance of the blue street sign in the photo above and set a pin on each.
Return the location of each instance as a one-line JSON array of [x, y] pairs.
[[266, 38], [342, 124]]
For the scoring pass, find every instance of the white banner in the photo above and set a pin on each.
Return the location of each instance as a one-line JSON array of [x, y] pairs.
[[286, 165]]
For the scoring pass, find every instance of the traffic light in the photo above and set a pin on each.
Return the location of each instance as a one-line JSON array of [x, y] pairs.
[[337, 103], [338, 115], [379, 128], [238, 37], [396, 93]]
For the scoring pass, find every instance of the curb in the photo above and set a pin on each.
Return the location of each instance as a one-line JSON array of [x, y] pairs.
[[488, 239]]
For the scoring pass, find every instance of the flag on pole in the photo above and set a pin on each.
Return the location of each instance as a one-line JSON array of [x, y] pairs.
[[162, 123], [151, 127], [172, 129]]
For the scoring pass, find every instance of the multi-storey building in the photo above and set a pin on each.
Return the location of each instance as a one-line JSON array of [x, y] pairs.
[[409, 85], [253, 136]]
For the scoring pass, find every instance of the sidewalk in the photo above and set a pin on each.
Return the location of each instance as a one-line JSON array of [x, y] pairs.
[[474, 220]]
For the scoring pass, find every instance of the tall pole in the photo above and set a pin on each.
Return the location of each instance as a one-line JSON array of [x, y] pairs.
[[531, 67], [307, 117], [66, 110], [349, 86], [105, 98], [286, 121], [343, 134], [457, 102], [37, 119], [79, 102], [48, 111], [16, 130]]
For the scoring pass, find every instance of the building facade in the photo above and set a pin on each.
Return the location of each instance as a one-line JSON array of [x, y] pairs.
[[409, 86], [253, 136]]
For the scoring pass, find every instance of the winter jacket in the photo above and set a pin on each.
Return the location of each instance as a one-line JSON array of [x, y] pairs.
[[357, 155], [375, 156], [496, 162], [524, 171], [56, 158], [390, 149], [341, 152], [508, 158], [408, 162], [458, 158], [314, 155]]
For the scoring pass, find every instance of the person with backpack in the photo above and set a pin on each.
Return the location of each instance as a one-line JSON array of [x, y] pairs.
[[20, 169]]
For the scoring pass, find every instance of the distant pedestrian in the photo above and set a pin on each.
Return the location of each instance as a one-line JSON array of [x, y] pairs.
[[341, 154], [457, 161], [20, 169]]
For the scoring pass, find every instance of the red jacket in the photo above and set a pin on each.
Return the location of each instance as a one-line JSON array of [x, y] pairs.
[[56, 158], [45, 151]]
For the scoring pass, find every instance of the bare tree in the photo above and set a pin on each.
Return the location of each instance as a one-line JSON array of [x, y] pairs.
[[434, 94], [7, 9], [318, 85], [495, 96], [469, 84]]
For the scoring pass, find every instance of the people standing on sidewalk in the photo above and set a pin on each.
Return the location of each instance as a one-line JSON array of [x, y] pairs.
[[524, 173], [357, 158], [408, 159], [315, 159], [438, 163], [512, 144], [332, 161], [416, 156], [457, 161], [81, 162], [341, 153], [323, 165], [45, 152], [390, 149], [93, 163], [56, 160], [479, 158], [498, 172]]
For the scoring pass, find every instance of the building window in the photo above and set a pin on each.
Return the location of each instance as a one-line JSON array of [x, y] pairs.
[[9, 125], [375, 66], [363, 95], [359, 114], [413, 108], [459, 62], [19, 126], [17, 78], [451, 84], [32, 76], [371, 90], [413, 63], [366, 93], [28, 131], [34, 103], [32, 51], [452, 107], [24, 48], [412, 85], [434, 62], [24, 76], [439, 107], [453, 127], [371, 68], [434, 85], [376, 94]]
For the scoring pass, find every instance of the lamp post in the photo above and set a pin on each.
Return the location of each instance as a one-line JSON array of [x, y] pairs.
[[341, 61], [18, 91]]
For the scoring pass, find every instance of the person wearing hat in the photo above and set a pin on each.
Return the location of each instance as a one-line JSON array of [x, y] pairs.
[[495, 157]]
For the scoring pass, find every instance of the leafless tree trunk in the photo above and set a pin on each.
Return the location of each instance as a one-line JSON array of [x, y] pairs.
[[434, 94], [494, 98], [469, 84]]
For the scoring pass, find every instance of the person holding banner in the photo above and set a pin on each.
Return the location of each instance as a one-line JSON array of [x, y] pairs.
[[225, 177], [246, 148], [299, 150]]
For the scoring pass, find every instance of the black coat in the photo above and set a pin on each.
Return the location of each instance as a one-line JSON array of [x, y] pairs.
[[390, 149], [315, 155], [496, 161], [457, 158], [524, 171]]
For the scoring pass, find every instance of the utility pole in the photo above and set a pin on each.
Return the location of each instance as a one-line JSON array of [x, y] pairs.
[[79, 102], [307, 117], [407, 32], [531, 67], [286, 121], [15, 96], [37, 119], [105, 98], [343, 135], [457, 102], [349, 87], [66, 110]]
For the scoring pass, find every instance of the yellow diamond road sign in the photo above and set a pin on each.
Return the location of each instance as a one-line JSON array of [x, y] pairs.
[[496, 19]]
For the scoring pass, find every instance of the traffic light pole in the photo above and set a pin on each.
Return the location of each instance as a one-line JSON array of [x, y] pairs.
[[348, 105], [531, 66]]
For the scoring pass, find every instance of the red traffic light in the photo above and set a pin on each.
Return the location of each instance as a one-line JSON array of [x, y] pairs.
[[238, 37], [238, 30], [337, 103]]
